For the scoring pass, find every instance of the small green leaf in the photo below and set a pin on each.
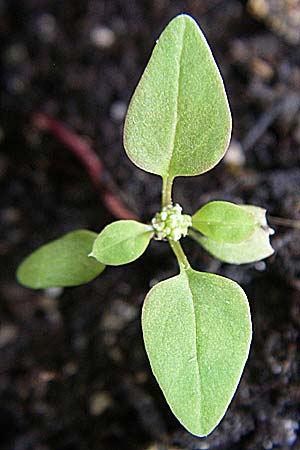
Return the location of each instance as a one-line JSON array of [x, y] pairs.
[[178, 121], [255, 248], [224, 222], [122, 242], [60, 263], [197, 333]]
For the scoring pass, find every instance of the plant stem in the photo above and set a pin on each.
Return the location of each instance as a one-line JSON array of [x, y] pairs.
[[167, 191], [175, 245], [180, 255]]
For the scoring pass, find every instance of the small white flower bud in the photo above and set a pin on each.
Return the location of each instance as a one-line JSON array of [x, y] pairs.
[[170, 223]]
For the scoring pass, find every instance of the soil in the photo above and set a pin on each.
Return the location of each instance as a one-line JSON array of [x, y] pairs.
[[73, 370]]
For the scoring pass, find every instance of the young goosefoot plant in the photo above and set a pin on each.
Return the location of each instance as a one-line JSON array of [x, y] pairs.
[[196, 325]]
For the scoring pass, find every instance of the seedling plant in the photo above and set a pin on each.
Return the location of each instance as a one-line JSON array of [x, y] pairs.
[[196, 325]]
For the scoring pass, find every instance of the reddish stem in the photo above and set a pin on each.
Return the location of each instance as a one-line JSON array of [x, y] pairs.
[[90, 160]]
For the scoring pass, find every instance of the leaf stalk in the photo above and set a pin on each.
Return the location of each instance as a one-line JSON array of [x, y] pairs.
[[180, 255], [167, 191]]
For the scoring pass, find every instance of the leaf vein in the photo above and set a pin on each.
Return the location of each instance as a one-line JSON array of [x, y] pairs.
[[197, 356], [176, 121], [129, 238]]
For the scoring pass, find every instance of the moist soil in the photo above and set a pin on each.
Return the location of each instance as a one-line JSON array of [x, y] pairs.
[[73, 370]]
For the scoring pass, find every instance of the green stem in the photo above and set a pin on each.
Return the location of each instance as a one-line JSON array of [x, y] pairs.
[[167, 191], [175, 245], [180, 255]]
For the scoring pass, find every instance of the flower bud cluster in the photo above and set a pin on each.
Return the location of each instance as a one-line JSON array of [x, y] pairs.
[[170, 223]]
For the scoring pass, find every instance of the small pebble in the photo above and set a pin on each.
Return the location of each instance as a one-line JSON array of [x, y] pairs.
[[276, 368], [118, 316], [116, 355], [11, 215], [118, 110], [260, 266], [54, 292], [8, 333], [45, 376], [204, 446], [262, 69], [99, 402], [46, 26], [235, 155], [141, 377], [102, 37], [290, 428], [70, 369], [267, 444]]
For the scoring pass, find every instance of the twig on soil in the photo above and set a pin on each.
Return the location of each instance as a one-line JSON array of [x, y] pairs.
[[290, 103], [292, 223], [90, 160]]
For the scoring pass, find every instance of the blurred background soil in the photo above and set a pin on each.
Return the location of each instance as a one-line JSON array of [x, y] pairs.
[[73, 370]]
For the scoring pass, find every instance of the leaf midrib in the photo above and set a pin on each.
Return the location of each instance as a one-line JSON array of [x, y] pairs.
[[201, 391], [125, 240], [176, 110]]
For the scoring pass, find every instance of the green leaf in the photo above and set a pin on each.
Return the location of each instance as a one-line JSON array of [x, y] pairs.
[[60, 263], [224, 222], [122, 242], [197, 333], [255, 248], [178, 121]]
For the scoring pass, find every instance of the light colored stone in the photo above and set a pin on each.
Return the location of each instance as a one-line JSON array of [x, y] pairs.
[[102, 37]]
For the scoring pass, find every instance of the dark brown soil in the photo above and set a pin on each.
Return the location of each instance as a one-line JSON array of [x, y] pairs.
[[73, 370]]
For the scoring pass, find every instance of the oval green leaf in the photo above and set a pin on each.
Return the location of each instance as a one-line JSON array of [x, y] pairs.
[[255, 248], [178, 121], [197, 333], [224, 222], [122, 242], [61, 263]]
